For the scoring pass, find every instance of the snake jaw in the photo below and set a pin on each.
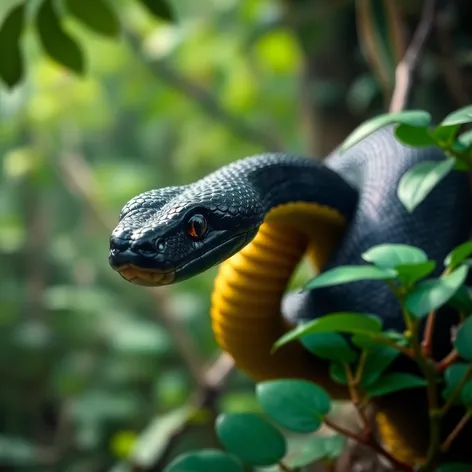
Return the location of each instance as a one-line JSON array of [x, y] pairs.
[[146, 277]]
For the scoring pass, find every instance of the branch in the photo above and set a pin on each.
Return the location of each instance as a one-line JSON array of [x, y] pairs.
[[163, 71], [406, 68], [207, 398]]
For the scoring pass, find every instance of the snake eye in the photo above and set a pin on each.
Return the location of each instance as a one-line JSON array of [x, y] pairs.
[[196, 226]]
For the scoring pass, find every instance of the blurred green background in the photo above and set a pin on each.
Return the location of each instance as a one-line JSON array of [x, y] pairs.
[[88, 361]]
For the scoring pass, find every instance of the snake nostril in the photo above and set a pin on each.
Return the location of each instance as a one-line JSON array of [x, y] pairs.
[[160, 245]]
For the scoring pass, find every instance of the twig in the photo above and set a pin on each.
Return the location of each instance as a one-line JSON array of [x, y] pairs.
[[406, 68], [371, 442], [442, 365], [163, 71], [455, 432], [427, 343], [216, 378], [457, 391]]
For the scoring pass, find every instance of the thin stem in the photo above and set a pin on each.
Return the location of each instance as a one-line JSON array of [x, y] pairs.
[[406, 68], [427, 343], [371, 442], [455, 432], [429, 371], [284, 467], [455, 394], [388, 342], [442, 365]]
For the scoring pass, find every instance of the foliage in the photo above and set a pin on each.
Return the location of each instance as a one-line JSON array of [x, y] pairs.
[[88, 360]]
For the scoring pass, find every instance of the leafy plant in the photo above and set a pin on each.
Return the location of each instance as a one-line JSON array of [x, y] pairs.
[[303, 407]]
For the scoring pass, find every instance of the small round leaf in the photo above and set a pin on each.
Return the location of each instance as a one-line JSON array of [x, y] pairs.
[[394, 382], [463, 341], [415, 136], [444, 135], [97, 15], [348, 274], [410, 117], [459, 117], [458, 254], [316, 448], [251, 438], [159, 8], [55, 41], [453, 375], [419, 181], [206, 460], [343, 322], [296, 405], [432, 294], [337, 372], [11, 60], [466, 139], [329, 346], [377, 361], [389, 256], [411, 273]]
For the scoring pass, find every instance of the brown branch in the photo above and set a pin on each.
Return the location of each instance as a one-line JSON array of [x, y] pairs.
[[207, 102], [207, 397], [406, 68], [427, 343], [455, 432], [371, 442]]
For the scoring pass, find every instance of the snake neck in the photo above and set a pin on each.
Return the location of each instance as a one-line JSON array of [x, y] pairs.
[[305, 216]]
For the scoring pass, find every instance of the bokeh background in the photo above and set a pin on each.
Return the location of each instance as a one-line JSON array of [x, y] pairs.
[[95, 372]]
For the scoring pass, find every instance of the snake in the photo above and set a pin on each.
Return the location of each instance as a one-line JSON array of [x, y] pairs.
[[258, 217]]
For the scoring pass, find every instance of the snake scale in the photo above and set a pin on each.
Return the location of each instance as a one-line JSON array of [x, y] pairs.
[[259, 216]]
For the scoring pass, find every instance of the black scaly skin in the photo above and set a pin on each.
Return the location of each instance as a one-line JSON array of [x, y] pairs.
[[361, 184]]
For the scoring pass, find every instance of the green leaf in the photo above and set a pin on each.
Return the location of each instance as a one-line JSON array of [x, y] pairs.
[[378, 359], [455, 467], [466, 139], [153, 441], [97, 15], [11, 60], [329, 346], [462, 300], [416, 118], [458, 254], [415, 136], [55, 41], [338, 373], [368, 341], [453, 376], [463, 341], [389, 256], [160, 9], [445, 135], [206, 460], [348, 274], [251, 438], [343, 322], [410, 273], [432, 294], [417, 182], [297, 405], [317, 448], [459, 117], [394, 382]]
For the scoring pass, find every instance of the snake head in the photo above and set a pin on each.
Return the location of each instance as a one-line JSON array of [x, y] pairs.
[[169, 235]]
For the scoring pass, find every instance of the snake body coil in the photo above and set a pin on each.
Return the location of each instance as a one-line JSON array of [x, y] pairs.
[[261, 215]]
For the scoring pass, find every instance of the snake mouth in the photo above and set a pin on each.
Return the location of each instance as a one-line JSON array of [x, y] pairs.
[[147, 277]]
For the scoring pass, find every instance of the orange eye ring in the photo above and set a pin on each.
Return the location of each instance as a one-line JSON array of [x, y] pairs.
[[197, 226]]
